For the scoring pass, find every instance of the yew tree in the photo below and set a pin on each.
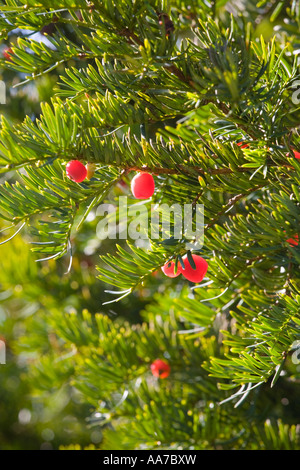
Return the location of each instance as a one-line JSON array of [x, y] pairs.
[[200, 99]]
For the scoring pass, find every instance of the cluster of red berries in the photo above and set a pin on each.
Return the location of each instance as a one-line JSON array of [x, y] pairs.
[[191, 274], [142, 185], [160, 368]]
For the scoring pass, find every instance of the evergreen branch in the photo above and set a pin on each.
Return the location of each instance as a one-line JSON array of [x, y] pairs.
[[259, 353], [231, 203], [193, 169]]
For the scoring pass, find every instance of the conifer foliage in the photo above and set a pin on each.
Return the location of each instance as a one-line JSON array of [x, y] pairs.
[[200, 100]]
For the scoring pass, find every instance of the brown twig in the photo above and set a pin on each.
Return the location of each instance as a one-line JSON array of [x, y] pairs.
[[183, 169], [193, 169]]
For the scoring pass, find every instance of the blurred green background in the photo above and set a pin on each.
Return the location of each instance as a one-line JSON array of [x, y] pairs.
[[33, 414]]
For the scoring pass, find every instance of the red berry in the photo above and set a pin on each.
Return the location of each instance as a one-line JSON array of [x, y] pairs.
[[294, 240], [242, 145], [296, 154], [194, 275], [169, 269], [142, 186], [76, 171], [160, 368], [7, 53]]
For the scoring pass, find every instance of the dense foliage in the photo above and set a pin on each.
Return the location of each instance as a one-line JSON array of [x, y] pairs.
[[171, 88]]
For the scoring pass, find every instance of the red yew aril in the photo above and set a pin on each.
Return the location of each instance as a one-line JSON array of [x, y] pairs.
[[294, 240], [296, 154], [242, 145], [169, 269], [76, 171], [194, 275], [7, 53], [160, 368], [142, 185]]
